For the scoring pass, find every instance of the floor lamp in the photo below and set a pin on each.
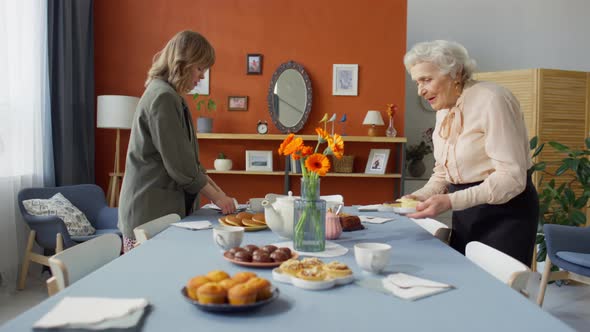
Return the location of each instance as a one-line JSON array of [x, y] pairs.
[[115, 112]]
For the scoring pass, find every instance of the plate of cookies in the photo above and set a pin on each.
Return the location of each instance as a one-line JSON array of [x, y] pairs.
[[250, 221], [264, 257], [217, 291], [313, 274]]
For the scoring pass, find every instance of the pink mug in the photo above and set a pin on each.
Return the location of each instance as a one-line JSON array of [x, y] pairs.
[[333, 227]]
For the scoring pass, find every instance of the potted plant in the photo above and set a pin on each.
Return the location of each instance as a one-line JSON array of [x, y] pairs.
[[415, 153], [222, 163], [204, 124]]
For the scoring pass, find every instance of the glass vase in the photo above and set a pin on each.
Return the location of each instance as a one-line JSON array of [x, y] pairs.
[[390, 132], [309, 227]]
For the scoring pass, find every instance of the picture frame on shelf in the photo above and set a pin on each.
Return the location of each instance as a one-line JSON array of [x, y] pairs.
[[345, 79], [257, 160], [203, 87], [377, 162], [254, 64], [237, 103]]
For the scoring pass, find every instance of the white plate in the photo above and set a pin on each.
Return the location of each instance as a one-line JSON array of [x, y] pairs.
[[402, 210], [310, 285]]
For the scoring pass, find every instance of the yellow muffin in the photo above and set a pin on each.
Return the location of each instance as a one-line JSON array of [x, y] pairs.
[[211, 293], [291, 267], [337, 270], [262, 287], [241, 294], [315, 273], [228, 283], [242, 277], [217, 275], [193, 284], [408, 202], [311, 262]]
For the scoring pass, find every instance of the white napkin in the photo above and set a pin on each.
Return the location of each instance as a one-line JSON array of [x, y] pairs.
[[375, 220], [93, 313], [194, 225], [366, 208], [410, 287], [332, 250]]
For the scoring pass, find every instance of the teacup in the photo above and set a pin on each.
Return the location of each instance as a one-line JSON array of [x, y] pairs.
[[227, 237], [256, 204], [372, 257]]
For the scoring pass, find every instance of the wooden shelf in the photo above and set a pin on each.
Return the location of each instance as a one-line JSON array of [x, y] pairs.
[[212, 171], [359, 175], [258, 137]]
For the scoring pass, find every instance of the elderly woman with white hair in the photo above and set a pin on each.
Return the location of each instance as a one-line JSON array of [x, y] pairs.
[[481, 154]]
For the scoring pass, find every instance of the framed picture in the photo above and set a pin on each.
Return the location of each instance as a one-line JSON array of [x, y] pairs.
[[203, 87], [237, 103], [345, 80], [254, 64], [258, 160], [377, 161]]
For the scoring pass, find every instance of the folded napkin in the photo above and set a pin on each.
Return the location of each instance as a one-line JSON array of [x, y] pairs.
[[239, 207], [93, 313], [375, 220], [410, 287], [194, 225], [366, 208], [332, 250]]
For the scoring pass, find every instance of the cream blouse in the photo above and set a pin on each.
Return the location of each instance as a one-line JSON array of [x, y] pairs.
[[482, 138]]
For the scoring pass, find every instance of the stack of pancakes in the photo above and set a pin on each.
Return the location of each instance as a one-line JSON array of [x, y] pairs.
[[244, 219]]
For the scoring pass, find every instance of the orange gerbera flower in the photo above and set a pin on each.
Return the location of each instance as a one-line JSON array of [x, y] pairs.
[[286, 142], [292, 147], [336, 144], [306, 151], [322, 135], [318, 163]]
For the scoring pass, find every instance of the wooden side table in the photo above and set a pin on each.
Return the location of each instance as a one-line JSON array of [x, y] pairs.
[[116, 179]]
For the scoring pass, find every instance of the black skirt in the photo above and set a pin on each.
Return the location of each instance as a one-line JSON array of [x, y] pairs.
[[510, 227]]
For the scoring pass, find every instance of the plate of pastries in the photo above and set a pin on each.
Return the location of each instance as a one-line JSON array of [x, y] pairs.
[[312, 273], [218, 291], [264, 256], [405, 205], [250, 221]]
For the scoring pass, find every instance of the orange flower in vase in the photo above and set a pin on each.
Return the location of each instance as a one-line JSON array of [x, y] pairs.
[[391, 110]]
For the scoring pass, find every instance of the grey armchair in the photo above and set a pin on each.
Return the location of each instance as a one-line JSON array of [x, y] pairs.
[[568, 247], [50, 231]]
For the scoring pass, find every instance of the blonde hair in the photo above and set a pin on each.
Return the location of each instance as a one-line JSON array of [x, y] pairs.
[[172, 64], [450, 57]]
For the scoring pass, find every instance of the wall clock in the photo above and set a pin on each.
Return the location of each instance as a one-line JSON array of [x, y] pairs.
[[262, 127]]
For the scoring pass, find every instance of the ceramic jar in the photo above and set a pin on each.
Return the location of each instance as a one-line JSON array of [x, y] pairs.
[[333, 226]]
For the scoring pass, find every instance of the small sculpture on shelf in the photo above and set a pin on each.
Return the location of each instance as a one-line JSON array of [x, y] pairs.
[[343, 125]]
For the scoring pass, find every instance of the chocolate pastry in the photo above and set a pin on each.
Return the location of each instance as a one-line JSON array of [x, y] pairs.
[[243, 256], [279, 256], [261, 256], [234, 250], [250, 248], [269, 248], [351, 223], [286, 250]]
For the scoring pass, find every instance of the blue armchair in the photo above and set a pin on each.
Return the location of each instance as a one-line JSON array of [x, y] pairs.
[[50, 231], [568, 247]]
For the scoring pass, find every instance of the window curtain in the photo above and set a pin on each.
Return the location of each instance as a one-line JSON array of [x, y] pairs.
[[71, 75], [25, 127]]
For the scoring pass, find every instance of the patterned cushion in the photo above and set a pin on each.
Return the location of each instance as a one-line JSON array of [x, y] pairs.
[[75, 220]]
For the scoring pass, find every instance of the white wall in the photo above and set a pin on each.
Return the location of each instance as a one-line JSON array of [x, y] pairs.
[[500, 35]]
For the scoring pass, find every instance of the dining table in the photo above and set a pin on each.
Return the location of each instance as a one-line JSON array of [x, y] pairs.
[[159, 268]]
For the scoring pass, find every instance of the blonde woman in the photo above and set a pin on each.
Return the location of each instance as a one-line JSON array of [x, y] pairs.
[[481, 154], [163, 174]]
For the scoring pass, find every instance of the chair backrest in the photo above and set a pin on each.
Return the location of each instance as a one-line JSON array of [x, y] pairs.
[[78, 261], [150, 229], [505, 268], [435, 227]]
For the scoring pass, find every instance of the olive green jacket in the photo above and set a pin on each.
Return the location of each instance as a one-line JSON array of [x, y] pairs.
[[162, 159]]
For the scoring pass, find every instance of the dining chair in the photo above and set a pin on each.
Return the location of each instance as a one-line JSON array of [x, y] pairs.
[[568, 247], [151, 228], [78, 261], [436, 228], [505, 268]]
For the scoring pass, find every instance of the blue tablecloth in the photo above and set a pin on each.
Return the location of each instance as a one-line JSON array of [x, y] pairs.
[[159, 268]]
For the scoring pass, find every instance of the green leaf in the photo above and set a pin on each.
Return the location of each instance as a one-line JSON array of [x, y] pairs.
[[533, 142], [563, 168], [538, 150], [540, 166], [195, 96], [211, 105], [581, 202], [570, 195], [559, 147], [577, 218], [587, 141]]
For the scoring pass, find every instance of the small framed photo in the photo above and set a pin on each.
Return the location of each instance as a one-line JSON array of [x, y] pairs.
[[237, 103], [254, 64], [345, 80], [377, 161], [203, 87], [258, 160]]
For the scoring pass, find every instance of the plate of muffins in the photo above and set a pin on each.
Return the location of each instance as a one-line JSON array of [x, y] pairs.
[[313, 274], [267, 256], [217, 291], [250, 221]]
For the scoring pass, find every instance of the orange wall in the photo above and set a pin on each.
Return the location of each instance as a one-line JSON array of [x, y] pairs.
[[314, 33]]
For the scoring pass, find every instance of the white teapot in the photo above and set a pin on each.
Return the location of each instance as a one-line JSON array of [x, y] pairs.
[[279, 215]]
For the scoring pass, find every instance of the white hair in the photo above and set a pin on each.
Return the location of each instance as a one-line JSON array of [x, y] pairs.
[[450, 57]]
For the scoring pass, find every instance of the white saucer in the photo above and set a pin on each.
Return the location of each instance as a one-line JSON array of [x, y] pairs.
[[401, 210]]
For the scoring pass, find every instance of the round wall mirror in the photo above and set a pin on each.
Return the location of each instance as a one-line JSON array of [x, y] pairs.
[[289, 97]]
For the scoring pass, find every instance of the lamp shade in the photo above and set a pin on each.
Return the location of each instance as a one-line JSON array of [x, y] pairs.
[[115, 111], [373, 118]]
